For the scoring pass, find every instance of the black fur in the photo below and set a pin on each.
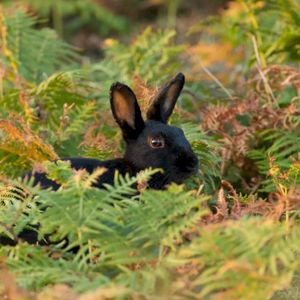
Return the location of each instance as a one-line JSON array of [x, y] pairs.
[[89, 164], [176, 158]]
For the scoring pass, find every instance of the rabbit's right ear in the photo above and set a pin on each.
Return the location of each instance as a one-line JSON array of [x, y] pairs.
[[126, 110]]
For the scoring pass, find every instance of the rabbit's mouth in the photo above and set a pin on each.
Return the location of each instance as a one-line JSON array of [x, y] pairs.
[[160, 180]]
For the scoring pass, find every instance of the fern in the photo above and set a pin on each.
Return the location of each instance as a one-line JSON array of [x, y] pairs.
[[70, 131], [282, 152], [113, 230], [126, 241], [17, 141], [245, 263], [88, 13], [29, 52], [205, 148], [152, 57], [18, 210], [286, 16]]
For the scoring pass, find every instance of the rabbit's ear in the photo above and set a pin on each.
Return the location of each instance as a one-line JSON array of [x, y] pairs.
[[164, 103], [126, 110]]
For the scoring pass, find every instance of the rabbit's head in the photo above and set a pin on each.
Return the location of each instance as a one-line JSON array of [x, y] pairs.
[[154, 143]]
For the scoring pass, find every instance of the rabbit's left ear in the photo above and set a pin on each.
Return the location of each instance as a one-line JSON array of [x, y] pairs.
[[163, 105], [126, 110]]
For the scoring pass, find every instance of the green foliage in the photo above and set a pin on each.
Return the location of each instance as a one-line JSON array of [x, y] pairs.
[[271, 26], [136, 243], [31, 53], [140, 245], [283, 18], [152, 57], [205, 148], [245, 263], [55, 106], [58, 109], [277, 149], [87, 14], [111, 228]]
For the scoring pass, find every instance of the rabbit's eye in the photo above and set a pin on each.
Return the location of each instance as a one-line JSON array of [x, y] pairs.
[[156, 142]]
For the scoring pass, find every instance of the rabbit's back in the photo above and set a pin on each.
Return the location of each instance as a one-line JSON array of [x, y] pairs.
[[90, 165]]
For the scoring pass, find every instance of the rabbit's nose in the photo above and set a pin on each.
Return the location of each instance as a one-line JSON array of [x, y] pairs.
[[192, 163], [187, 162]]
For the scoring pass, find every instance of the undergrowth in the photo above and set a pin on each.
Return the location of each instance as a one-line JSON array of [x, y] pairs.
[[230, 232]]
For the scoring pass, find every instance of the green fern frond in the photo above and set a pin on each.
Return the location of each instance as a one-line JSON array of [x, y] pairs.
[[30, 52], [261, 253], [152, 57], [205, 148], [17, 209], [282, 151], [88, 13]]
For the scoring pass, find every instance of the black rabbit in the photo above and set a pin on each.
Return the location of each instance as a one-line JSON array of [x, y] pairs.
[[147, 144]]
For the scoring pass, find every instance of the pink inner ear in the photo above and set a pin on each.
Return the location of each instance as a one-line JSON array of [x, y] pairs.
[[124, 108]]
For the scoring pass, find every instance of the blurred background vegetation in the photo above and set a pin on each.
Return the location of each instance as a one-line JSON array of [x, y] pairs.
[[240, 110]]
